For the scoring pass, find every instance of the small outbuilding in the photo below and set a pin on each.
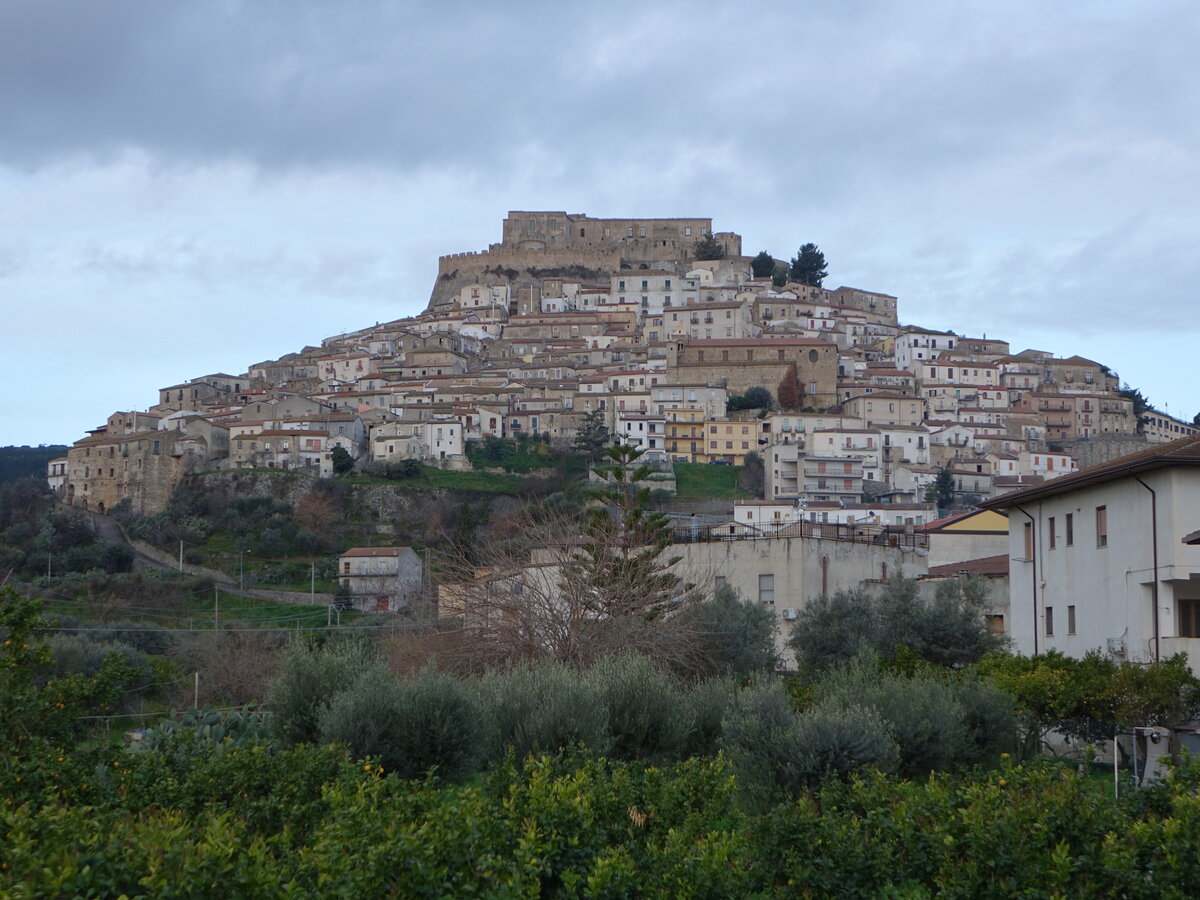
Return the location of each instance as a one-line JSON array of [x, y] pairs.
[[380, 579]]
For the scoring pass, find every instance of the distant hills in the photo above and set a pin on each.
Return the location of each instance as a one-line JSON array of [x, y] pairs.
[[20, 462]]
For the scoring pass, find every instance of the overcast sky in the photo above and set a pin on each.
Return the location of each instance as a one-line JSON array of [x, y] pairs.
[[194, 187]]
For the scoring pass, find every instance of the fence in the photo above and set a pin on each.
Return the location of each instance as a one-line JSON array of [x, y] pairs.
[[857, 534]]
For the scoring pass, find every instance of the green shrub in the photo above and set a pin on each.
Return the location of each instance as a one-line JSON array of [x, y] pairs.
[[541, 708], [440, 726], [367, 717], [647, 716], [311, 676], [778, 753], [728, 636], [706, 704]]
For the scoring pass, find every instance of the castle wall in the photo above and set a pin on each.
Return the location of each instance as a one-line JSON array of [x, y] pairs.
[[536, 244]]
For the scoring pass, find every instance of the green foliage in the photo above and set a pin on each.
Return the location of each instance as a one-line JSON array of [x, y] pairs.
[[307, 822], [592, 438], [763, 265], [947, 631], [342, 461], [432, 722], [647, 716], [780, 278], [728, 636], [708, 247], [778, 753], [440, 726], [399, 470], [700, 481], [28, 462], [808, 266], [941, 491], [1141, 403], [1089, 699], [621, 560], [41, 724], [312, 675], [204, 730], [926, 714], [757, 397], [543, 707]]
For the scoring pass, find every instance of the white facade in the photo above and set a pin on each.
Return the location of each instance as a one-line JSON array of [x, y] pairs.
[[1100, 565]]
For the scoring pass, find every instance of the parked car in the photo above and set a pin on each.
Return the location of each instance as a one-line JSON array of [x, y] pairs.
[[719, 462]]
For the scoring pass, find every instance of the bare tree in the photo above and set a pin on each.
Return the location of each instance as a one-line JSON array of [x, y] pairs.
[[575, 590]]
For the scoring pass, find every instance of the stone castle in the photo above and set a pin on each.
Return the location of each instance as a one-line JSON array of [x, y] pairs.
[[544, 244]]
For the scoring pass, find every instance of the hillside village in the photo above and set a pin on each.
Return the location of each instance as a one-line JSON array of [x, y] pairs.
[[660, 329]]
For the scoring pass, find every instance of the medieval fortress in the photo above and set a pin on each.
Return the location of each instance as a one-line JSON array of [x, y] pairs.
[[549, 243]]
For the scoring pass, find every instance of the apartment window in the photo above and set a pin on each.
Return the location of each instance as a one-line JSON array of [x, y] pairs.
[[718, 582], [1189, 618], [1070, 620], [1049, 621], [1101, 526], [766, 589], [1028, 540], [1050, 527], [1070, 526], [346, 568]]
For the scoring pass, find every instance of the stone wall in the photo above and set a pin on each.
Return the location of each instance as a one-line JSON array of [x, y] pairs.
[[1097, 450]]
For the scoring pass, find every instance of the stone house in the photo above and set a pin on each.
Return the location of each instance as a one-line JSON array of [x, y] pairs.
[[380, 579], [758, 362]]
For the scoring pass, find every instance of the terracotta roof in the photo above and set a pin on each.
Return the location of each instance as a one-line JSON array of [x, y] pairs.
[[989, 565]]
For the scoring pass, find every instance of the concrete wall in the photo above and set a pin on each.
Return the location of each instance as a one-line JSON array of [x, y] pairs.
[[800, 569]]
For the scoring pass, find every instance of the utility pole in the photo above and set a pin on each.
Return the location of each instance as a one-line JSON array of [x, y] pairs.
[[312, 584], [241, 570], [181, 555], [216, 608]]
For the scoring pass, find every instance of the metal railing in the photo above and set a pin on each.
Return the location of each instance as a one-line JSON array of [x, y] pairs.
[[887, 536]]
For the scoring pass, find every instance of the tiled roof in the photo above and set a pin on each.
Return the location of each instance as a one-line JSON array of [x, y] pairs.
[[988, 565]]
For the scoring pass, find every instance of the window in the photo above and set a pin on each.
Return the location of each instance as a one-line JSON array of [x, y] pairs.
[[345, 568], [1070, 620], [766, 589], [1101, 526], [1028, 540], [1070, 525], [1050, 527], [1049, 621], [1189, 618]]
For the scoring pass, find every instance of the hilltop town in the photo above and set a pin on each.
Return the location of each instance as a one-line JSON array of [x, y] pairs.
[[653, 325], [885, 449]]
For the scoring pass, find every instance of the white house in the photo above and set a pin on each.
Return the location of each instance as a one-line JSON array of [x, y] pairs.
[[1097, 558]]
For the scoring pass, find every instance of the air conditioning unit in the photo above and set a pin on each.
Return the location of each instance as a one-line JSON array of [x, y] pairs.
[[790, 615]]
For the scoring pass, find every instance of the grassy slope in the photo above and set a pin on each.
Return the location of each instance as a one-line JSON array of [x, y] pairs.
[[699, 481]]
